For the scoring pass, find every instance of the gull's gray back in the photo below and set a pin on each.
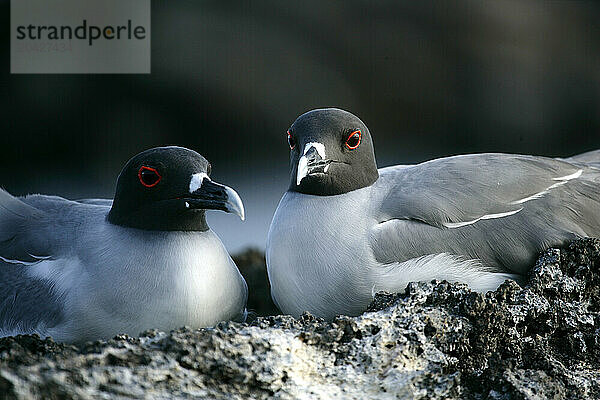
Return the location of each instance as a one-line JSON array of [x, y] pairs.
[[498, 208], [590, 159]]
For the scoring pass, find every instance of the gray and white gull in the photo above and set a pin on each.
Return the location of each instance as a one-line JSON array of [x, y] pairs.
[[345, 229], [89, 269]]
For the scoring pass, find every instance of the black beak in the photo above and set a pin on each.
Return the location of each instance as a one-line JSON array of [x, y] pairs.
[[214, 196]]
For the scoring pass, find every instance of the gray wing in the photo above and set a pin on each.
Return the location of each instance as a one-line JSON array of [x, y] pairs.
[[19, 240], [501, 209], [26, 238], [29, 225]]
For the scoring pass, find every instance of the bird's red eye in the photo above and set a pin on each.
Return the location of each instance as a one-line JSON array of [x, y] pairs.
[[353, 140], [149, 176], [291, 140]]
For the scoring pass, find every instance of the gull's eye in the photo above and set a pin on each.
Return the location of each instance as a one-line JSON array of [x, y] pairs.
[[291, 140], [149, 176], [353, 140]]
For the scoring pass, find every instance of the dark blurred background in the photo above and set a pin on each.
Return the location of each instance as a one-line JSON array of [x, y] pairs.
[[428, 78]]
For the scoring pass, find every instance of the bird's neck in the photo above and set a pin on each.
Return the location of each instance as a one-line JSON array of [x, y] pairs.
[[160, 221]]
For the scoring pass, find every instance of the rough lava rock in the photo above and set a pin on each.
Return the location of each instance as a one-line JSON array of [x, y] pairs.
[[437, 340]]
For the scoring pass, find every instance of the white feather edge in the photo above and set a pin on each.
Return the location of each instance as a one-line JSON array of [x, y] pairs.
[[14, 261], [562, 180], [487, 216]]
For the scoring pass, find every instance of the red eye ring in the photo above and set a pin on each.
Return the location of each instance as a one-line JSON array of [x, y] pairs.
[[357, 143], [154, 171], [291, 140]]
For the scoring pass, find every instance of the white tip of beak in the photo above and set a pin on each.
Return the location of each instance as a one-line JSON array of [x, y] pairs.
[[234, 203]]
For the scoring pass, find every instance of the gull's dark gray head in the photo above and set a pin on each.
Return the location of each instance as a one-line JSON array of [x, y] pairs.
[[331, 153], [168, 189]]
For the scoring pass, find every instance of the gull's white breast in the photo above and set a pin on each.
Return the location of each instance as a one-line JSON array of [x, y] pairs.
[[318, 257], [123, 280]]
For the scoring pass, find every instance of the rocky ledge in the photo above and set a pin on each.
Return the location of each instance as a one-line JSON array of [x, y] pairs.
[[436, 340]]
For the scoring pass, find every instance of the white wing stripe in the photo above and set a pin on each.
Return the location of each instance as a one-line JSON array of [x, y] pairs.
[[532, 197], [37, 260], [488, 216], [569, 177], [500, 215], [562, 180], [8, 260]]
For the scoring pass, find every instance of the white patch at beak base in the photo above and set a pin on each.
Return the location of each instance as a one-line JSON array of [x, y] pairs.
[[196, 181], [302, 169], [303, 162]]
